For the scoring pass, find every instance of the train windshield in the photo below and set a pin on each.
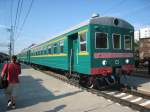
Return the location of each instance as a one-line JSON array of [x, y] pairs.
[[116, 41], [127, 42], [101, 40]]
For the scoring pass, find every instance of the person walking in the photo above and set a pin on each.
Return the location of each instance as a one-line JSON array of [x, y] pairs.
[[13, 70]]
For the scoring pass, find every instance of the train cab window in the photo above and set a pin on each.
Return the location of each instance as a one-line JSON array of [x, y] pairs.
[[55, 48], [116, 41], [83, 41], [49, 50], [62, 46], [127, 42], [101, 40]]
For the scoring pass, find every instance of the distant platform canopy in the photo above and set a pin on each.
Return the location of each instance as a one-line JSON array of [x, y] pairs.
[[3, 56]]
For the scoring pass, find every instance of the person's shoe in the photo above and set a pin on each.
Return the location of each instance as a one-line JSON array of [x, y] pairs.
[[13, 106], [9, 103]]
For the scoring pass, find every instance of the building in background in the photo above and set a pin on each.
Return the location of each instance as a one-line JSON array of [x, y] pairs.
[[142, 33], [144, 50]]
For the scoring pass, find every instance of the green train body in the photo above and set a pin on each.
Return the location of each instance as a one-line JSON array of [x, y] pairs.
[[100, 46]]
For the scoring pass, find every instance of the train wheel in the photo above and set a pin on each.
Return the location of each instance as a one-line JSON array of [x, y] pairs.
[[99, 83], [89, 82], [117, 78], [82, 81], [110, 80]]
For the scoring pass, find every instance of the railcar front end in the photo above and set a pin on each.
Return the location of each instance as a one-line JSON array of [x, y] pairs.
[[112, 49]]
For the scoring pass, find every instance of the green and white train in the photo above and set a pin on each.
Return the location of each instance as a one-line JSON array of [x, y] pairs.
[[96, 50]]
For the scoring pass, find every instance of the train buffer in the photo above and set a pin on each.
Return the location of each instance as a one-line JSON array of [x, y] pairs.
[[39, 92]]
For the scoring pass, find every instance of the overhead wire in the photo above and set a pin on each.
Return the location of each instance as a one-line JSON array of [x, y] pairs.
[[14, 27], [25, 19], [19, 15], [11, 13], [16, 17]]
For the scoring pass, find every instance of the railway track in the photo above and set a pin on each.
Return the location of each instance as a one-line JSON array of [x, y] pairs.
[[133, 99]]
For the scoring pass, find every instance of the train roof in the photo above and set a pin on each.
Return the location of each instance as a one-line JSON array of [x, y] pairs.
[[109, 21]]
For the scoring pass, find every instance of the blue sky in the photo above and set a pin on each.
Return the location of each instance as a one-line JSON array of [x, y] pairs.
[[50, 17]]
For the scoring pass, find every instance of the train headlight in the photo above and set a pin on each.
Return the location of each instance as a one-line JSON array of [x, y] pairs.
[[104, 62], [127, 61]]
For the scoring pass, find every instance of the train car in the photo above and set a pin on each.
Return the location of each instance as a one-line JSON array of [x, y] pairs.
[[24, 56], [96, 50]]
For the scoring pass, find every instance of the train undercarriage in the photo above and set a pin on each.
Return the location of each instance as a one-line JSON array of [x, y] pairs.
[[96, 81], [89, 81], [100, 81]]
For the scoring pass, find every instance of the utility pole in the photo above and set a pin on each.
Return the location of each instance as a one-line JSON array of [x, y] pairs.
[[11, 44]]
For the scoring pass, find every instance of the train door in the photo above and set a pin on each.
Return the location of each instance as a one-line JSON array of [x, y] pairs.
[[73, 52]]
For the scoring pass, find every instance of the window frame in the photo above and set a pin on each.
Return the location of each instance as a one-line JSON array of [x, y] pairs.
[[113, 40], [49, 47], [60, 45], [55, 45], [131, 42], [85, 42], [107, 40], [45, 51]]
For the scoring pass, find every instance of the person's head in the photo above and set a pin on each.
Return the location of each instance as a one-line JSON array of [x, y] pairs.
[[14, 58]]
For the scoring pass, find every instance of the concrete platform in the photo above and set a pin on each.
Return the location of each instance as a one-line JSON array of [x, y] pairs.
[[42, 93], [141, 84]]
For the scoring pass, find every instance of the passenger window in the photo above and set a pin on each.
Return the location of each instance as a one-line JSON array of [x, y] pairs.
[[101, 40], [45, 52], [38, 53], [41, 52], [83, 41], [116, 41], [62, 46], [55, 48], [49, 50], [127, 42]]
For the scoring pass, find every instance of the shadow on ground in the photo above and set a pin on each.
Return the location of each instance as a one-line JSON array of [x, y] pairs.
[[32, 92], [24, 66], [56, 109]]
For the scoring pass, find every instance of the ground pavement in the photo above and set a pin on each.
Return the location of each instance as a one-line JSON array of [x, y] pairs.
[[42, 93]]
